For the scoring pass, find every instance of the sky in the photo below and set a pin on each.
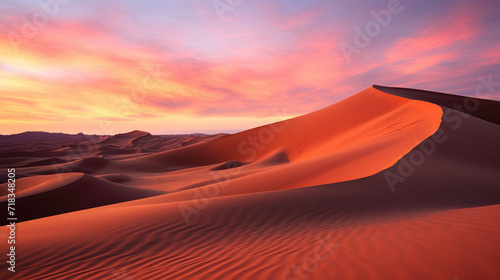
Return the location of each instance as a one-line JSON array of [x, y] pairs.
[[209, 66]]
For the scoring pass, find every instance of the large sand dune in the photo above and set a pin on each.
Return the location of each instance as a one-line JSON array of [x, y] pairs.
[[387, 184]]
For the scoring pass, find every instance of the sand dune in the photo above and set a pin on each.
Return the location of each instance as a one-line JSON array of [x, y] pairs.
[[477, 107], [43, 149], [301, 154], [46, 195], [376, 186]]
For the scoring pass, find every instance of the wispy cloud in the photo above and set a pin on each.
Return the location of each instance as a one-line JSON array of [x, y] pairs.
[[93, 54]]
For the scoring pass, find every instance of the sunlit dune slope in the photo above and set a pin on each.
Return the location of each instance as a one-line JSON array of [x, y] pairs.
[[354, 138]]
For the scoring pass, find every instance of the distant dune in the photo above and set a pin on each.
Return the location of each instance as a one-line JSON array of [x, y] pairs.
[[389, 183]]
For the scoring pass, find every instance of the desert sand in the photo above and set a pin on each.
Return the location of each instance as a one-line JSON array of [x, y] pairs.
[[389, 183]]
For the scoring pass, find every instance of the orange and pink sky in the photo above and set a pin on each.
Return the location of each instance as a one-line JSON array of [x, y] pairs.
[[106, 67]]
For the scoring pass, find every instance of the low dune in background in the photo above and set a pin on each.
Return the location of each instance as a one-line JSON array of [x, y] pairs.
[[389, 183]]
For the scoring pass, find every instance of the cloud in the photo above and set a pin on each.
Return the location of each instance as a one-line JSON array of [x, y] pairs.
[[126, 60]]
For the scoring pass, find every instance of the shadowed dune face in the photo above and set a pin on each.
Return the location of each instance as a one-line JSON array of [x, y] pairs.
[[477, 107], [374, 187], [62, 193]]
